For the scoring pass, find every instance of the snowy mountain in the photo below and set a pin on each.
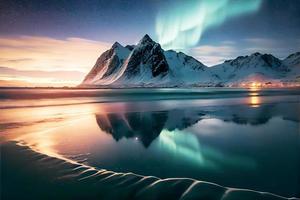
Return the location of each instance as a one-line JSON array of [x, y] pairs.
[[293, 62], [108, 65], [254, 68], [148, 65]]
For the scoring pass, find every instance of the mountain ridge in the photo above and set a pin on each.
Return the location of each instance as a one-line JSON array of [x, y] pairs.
[[148, 65]]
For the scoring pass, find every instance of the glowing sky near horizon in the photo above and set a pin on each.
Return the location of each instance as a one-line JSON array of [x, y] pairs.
[[55, 43], [181, 25], [44, 61]]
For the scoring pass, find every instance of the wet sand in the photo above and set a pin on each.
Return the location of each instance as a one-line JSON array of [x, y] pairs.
[[27, 174]]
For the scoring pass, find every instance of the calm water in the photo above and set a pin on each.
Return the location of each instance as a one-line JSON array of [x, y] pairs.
[[233, 137]]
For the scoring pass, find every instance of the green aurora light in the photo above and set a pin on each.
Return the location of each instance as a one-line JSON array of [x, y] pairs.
[[181, 25]]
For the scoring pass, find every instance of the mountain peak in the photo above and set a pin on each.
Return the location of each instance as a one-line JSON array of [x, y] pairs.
[[256, 54], [297, 54], [146, 39], [293, 60], [115, 45], [148, 65]]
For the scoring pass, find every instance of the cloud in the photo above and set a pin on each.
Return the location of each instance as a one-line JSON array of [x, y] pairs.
[[44, 53], [10, 83], [72, 75], [48, 58], [11, 76], [214, 54], [18, 60]]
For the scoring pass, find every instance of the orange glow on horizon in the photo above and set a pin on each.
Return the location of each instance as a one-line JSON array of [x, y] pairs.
[[33, 54], [256, 85], [36, 82]]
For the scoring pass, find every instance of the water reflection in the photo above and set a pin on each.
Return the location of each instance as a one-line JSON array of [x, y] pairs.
[[178, 130], [188, 146], [146, 126], [142, 126], [224, 141], [225, 145], [254, 101]]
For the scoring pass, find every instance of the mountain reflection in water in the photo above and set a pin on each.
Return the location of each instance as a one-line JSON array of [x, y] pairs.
[[146, 126], [232, 145], [249, 141]]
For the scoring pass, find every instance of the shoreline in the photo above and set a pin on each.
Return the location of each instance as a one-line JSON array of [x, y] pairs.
[[150, 87], [49, 93], [58, 178]]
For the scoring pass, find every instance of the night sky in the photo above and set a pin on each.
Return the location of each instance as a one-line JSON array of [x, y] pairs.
[[69, 35]]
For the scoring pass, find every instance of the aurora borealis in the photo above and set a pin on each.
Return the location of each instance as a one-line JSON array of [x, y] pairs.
[[181, 25], [41, 41]]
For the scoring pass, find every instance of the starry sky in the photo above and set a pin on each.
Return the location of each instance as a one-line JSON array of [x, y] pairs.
[[55, 42]]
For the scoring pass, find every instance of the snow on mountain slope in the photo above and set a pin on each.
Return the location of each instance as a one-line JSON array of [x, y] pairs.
[[293, 62], [145, 65], [107, 65], [148, 65], [256, 67], [186, 70]]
